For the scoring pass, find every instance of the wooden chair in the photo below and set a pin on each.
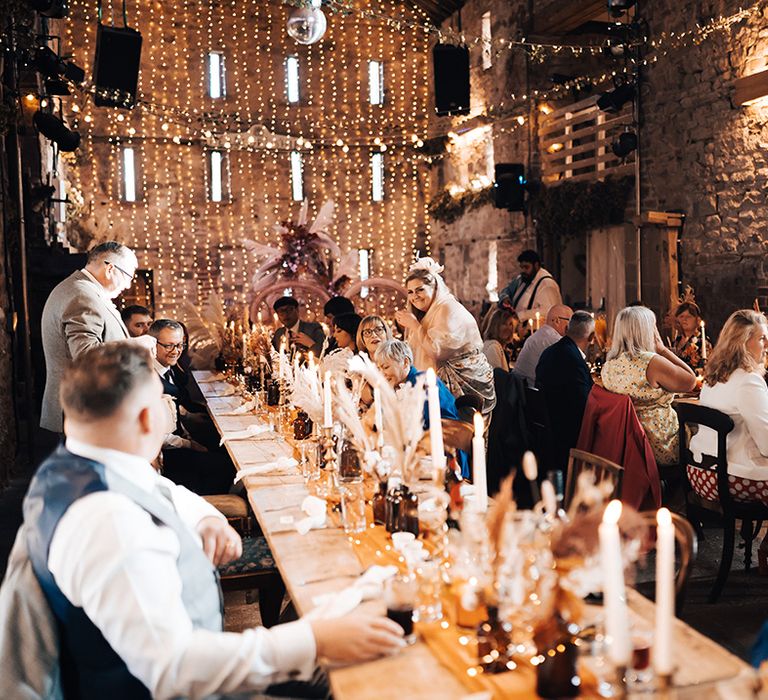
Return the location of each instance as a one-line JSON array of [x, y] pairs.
[[687, 548], [255, 569], [580, 461], [751, 514]]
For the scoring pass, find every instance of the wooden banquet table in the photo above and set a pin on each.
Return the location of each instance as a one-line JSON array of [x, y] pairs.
[[327, 560]]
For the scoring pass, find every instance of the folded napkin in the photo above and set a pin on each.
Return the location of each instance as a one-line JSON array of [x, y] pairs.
[[247, 407], [369, 586], [213, 378], [228, 391], [250, 432], [316, 510], [281, 464]]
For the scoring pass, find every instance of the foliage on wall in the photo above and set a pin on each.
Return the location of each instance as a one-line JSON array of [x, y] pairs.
[[573, 208], [448, 208]]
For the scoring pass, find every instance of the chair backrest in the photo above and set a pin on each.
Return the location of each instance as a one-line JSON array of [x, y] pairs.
[[603, 469], [687, 548], [693, 413]]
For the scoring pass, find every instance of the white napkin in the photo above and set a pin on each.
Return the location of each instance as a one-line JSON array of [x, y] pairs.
[[368, 586], [279, 465], [250, 432], [210, 380], [228, 391], [247, 407], [316, 510]]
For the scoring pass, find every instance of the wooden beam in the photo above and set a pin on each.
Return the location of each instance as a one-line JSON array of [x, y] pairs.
[[570, 14], [750, 88]]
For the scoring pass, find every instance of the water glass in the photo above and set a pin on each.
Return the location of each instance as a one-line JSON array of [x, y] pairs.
[[353, 506], [400, 596], [429, 607]]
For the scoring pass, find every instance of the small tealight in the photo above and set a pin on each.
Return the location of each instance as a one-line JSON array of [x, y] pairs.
[[401, 539]]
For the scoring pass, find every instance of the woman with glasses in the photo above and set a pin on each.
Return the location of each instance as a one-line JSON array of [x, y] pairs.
[[371, 333], [444, 335]]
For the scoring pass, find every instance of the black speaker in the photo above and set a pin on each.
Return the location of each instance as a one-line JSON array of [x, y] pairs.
[[451, 65], [509, 188], [116, 66]]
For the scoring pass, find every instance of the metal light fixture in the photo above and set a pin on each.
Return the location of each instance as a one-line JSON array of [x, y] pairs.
[[618, 7], [614, 100], [55, 130], [307, 25], [625, 144]]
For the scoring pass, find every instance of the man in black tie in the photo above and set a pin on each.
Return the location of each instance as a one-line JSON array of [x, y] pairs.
[[563, 375], [191, 455], [303, 335]]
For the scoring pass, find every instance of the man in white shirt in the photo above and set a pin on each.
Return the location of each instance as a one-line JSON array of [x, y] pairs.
[[126, 558], [533, 291], [554, 329], [79, 314]]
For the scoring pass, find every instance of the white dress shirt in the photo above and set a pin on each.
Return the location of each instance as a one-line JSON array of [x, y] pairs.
[[547, 295], [531, 353], [111, 559]]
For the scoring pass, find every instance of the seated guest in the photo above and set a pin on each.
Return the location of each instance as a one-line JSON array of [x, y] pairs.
[[345, 327], [688, 343], [552, 330], [372, 331], [302, 335], [562, 374], [734, 384], [395, 361], [334, 307], [186, 457], [639, 365], [137, 320], [498, 330], [127, 559]]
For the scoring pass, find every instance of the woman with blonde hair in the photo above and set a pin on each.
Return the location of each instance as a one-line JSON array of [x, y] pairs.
[[497, 332], [734, 384], [444, 335], [372, 331], [640, 366]]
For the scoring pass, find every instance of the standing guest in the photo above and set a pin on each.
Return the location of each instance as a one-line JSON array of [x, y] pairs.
[[127, 559], [302, 335], [373, 331], [345, 330], [186, 457], [688, 343], [137, 319], [551, 332], [639, 365], [79, 314], [734, 383], [498, 332], [563, 376], [444, 335], [395, 361], [533, 290]]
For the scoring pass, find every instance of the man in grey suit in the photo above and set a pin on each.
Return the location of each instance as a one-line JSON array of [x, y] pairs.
[[79, 314], [303, 335]]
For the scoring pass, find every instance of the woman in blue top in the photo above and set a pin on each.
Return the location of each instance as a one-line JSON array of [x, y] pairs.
[[395, 361]]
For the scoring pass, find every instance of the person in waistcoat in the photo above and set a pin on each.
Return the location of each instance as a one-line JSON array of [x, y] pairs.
[[533, 290], [79, 314], [127, 560], [301, 335]]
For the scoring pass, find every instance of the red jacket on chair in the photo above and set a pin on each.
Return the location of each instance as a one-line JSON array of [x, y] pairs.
[[611, 429]]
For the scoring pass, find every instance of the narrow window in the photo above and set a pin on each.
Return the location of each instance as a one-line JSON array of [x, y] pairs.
[[297, 184], [129, 174], [486, 35], [377, 177], [292, 78], [217, 181], [376, 82], [216, 82], [364, 259]]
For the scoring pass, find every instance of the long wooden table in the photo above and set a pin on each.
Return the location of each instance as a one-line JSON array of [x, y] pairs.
[[324, 561]]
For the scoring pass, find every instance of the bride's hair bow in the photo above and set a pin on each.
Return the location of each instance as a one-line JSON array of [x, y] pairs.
[[428, 264]]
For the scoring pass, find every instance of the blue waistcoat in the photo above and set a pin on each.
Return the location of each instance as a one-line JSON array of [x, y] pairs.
[[90, 668]]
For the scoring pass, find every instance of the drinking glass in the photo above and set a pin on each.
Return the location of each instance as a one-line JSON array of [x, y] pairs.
[[429, 607], [640, 671], [400, 596], [353, 506]]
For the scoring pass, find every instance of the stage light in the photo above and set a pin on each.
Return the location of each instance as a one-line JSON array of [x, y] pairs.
[[56, 9], [625, 144], [54, 86], [618, 7], [614, 100], [55, 130]]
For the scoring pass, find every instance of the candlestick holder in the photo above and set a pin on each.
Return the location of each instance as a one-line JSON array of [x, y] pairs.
[[327, 484]]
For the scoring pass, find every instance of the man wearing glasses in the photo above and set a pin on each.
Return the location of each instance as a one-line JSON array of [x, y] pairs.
[[191, 456], [79, 314], [557, 322]]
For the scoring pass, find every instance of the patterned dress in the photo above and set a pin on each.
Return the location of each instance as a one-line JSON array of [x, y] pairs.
[[627, 375]]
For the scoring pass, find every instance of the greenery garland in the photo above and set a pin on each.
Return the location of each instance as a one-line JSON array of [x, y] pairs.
[[573, 208], [448, 208]]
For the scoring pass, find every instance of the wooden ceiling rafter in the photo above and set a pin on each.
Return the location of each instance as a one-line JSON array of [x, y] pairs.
[[438, 10]]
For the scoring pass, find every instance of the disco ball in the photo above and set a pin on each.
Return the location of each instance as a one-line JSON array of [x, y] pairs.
[[307, 25]]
